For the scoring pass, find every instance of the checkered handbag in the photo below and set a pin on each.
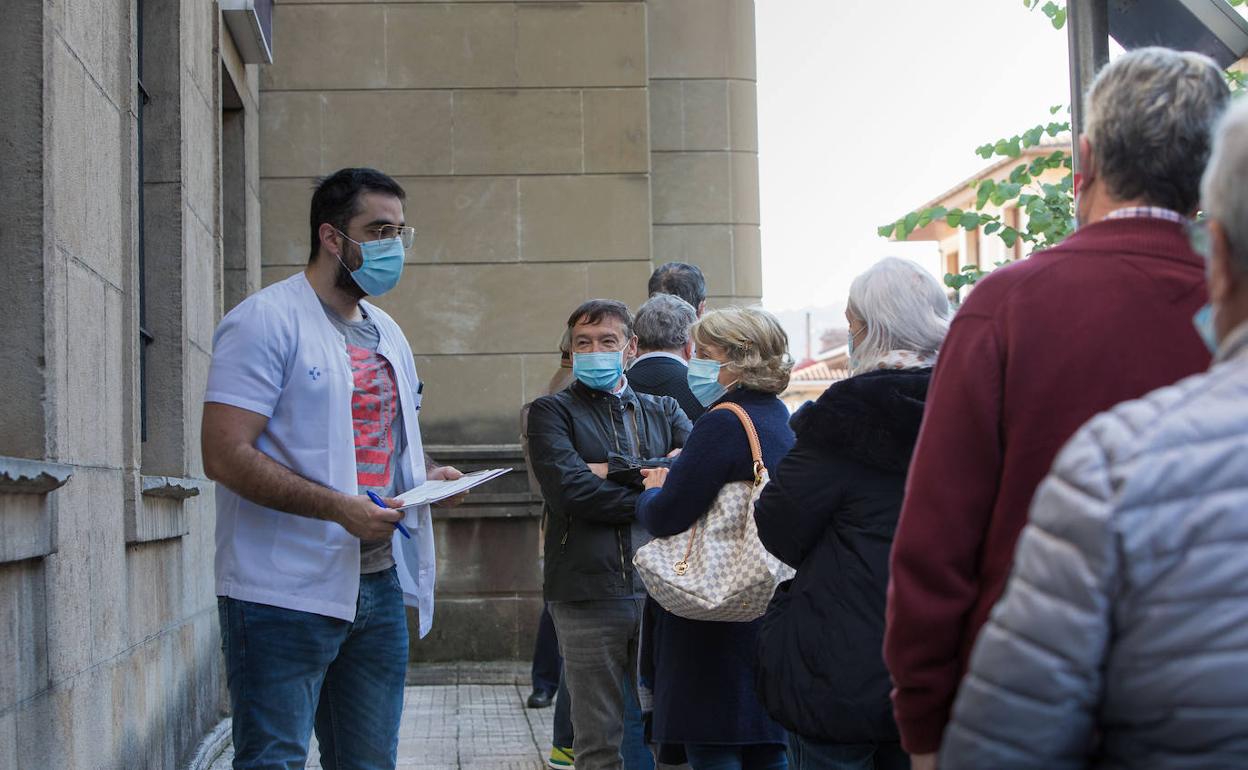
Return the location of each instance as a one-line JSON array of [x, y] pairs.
[[718, 569]]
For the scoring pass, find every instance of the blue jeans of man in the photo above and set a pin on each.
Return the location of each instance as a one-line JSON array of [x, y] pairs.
[[547, 664], [290, 672], [805, 754], [598, 640]]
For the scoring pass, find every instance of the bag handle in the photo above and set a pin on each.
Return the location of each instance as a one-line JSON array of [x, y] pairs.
[[751, 435], [756, 451]]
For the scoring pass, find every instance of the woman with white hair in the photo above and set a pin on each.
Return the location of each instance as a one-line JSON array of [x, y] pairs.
[[830, 512]]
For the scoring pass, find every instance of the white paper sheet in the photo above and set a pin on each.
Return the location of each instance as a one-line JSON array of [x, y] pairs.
[[435, 491]]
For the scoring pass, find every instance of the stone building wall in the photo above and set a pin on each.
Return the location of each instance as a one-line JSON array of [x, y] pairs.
[[552, 152], [111, 653]]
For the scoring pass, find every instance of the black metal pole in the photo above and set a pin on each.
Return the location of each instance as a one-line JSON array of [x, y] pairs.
[[1087, 31]]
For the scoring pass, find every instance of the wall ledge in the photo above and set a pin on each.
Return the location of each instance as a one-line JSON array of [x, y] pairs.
[[19, 476], [171, 487]]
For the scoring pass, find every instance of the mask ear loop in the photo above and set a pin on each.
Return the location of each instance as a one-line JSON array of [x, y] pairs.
[[339, 256]]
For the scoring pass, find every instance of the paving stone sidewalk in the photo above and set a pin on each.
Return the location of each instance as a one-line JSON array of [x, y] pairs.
[[468, 716]]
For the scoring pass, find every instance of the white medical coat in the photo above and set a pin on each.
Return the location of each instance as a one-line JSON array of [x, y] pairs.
[[278, 355]]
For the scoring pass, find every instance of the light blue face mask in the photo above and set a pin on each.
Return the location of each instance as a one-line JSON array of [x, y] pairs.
[[382, 265], [600, 371], [703, 377], [1203, 321]]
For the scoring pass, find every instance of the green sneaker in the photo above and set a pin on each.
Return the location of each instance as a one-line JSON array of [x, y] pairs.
[[560, 758]]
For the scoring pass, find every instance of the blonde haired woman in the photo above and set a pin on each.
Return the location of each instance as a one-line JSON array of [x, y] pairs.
[[704, 671]]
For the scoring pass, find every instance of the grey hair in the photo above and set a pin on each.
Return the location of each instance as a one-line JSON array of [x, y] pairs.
[[903, 306], [1224, 189], [1150, 117], [663, 322]]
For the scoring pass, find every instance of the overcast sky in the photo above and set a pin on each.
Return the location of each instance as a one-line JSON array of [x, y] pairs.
[[868, 109]]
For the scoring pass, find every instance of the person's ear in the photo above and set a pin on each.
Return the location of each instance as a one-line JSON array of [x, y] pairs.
[[688, 349], [1087, 160], [630, 350], [331, 241], [701, 308], [1223, 281]]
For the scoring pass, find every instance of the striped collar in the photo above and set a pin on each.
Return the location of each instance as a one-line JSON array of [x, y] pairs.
[[1153, 212]]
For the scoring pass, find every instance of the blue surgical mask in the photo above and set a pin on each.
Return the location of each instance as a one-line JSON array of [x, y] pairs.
[[703, 379], [1203, 321], [600, 371], [382, 265]]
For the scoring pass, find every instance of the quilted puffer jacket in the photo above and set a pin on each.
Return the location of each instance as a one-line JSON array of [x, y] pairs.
[[1122, 638]]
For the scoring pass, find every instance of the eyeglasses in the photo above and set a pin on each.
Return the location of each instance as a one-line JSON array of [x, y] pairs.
[[385, 232]]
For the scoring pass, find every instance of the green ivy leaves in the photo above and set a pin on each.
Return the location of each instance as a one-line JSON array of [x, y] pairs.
[[1047, 208], [1055, 12]]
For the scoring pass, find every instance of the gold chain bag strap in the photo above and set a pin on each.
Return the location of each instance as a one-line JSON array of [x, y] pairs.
[[720, 570]]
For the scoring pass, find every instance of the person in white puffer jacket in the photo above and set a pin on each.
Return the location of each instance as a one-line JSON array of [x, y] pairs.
[[1122, 638]]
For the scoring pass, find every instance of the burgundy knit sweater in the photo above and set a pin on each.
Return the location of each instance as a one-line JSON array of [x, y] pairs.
[[1038, 348]]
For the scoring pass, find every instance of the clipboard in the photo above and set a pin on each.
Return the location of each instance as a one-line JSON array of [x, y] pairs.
[[435, 491]]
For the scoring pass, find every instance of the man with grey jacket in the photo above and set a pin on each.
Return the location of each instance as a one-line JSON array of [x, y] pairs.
[[1122, 637]]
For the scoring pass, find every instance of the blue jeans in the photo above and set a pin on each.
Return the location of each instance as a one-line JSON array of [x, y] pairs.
[[805, 754], [757, 756], [290, 671], [598, 640], [562, 733], [547, 665]]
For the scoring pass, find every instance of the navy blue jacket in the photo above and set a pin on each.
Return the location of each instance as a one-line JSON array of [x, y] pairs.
[[663, 376], [704, 671], [830, 511]]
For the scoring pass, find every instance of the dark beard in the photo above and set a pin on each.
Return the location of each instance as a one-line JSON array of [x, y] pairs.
[[346, 284]]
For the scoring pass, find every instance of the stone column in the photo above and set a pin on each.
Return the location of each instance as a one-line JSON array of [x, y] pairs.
[[519, 131], [704, 142]]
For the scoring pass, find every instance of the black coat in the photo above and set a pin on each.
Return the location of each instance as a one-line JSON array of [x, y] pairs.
[[591, 528], [830, 511], [663, 376]]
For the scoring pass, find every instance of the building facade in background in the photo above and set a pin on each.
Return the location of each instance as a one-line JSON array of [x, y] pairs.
[[151, 178], [552, 152], [129, 176], [960, 247]]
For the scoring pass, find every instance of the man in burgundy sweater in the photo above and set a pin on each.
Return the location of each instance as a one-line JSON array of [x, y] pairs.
[[1037, 349]]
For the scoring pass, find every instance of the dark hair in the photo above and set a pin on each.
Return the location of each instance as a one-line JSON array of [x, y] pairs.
[[337, 198], [679, 278], [595, 310]]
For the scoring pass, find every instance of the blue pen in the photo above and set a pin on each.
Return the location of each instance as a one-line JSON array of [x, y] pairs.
[[398, 524]]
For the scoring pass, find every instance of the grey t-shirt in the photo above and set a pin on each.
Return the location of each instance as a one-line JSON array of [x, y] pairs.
[[377, 419]]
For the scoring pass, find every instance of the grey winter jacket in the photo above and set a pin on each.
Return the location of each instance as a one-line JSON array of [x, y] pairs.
[[1122, 638]]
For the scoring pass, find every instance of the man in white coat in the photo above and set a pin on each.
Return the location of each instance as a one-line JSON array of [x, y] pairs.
[[310, 421]]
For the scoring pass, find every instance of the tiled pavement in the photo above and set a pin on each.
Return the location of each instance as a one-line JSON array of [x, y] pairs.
[[466, 715]]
